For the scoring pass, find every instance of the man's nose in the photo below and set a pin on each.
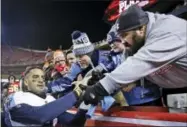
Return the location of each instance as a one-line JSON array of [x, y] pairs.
[[41, 80]]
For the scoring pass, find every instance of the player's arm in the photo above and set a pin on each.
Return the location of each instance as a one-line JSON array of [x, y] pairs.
[[28, 114]]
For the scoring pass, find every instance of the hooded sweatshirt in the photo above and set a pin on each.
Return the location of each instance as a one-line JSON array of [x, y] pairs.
[[162, 59]]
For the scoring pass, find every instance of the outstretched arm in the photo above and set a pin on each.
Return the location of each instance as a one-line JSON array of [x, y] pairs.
[[28, 114], [158, 51], [64, 84]]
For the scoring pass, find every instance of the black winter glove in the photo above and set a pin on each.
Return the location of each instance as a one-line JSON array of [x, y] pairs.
[[96, 76], [94, 94]]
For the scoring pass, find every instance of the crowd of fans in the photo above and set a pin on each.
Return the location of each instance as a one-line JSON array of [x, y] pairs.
[[14, 56], [77, 77]]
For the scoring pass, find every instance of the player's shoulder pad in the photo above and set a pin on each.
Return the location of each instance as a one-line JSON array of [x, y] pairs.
[[14, 99], [50, 98]]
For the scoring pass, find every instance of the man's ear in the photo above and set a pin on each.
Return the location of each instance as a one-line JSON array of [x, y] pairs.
[[26, 82], [141, 30]]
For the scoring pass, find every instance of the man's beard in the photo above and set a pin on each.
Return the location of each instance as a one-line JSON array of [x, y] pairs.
[[117, 51], [84, 66], [138, 43]]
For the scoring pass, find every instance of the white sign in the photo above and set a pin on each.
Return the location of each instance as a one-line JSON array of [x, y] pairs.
[[125, 4]]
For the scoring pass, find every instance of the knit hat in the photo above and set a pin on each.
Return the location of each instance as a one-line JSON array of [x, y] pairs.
[[132, 18], [112, 37], [81, 43]]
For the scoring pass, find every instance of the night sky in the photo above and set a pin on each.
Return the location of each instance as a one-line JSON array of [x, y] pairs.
[[42, 23]]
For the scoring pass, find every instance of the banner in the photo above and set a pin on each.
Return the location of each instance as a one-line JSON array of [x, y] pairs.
[[117, 6]]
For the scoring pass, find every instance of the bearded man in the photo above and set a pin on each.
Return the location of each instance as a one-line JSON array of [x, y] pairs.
[[159, 47]]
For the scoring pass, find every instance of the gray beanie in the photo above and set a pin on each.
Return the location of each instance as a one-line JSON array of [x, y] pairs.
[[131, 18], [81, 43]]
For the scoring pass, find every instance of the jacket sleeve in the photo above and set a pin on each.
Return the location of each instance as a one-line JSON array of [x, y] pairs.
[[105, 62], [64, 83], [60, 85], [110, 66], [28, 114], [160, 49], [74, 71]]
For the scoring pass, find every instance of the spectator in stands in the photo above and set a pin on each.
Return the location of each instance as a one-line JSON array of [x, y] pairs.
[[138, 93], [45, 66], [48, 65], [4, 93], [11, 79], [13, 85], [158, 45], [88, 59], [59, 62], [70, 57], [49, 56], [55, 65], [33, 107], [10, 87], [60, 68]]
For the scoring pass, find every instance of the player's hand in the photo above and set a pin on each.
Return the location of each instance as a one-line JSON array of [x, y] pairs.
[[79, 90]]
